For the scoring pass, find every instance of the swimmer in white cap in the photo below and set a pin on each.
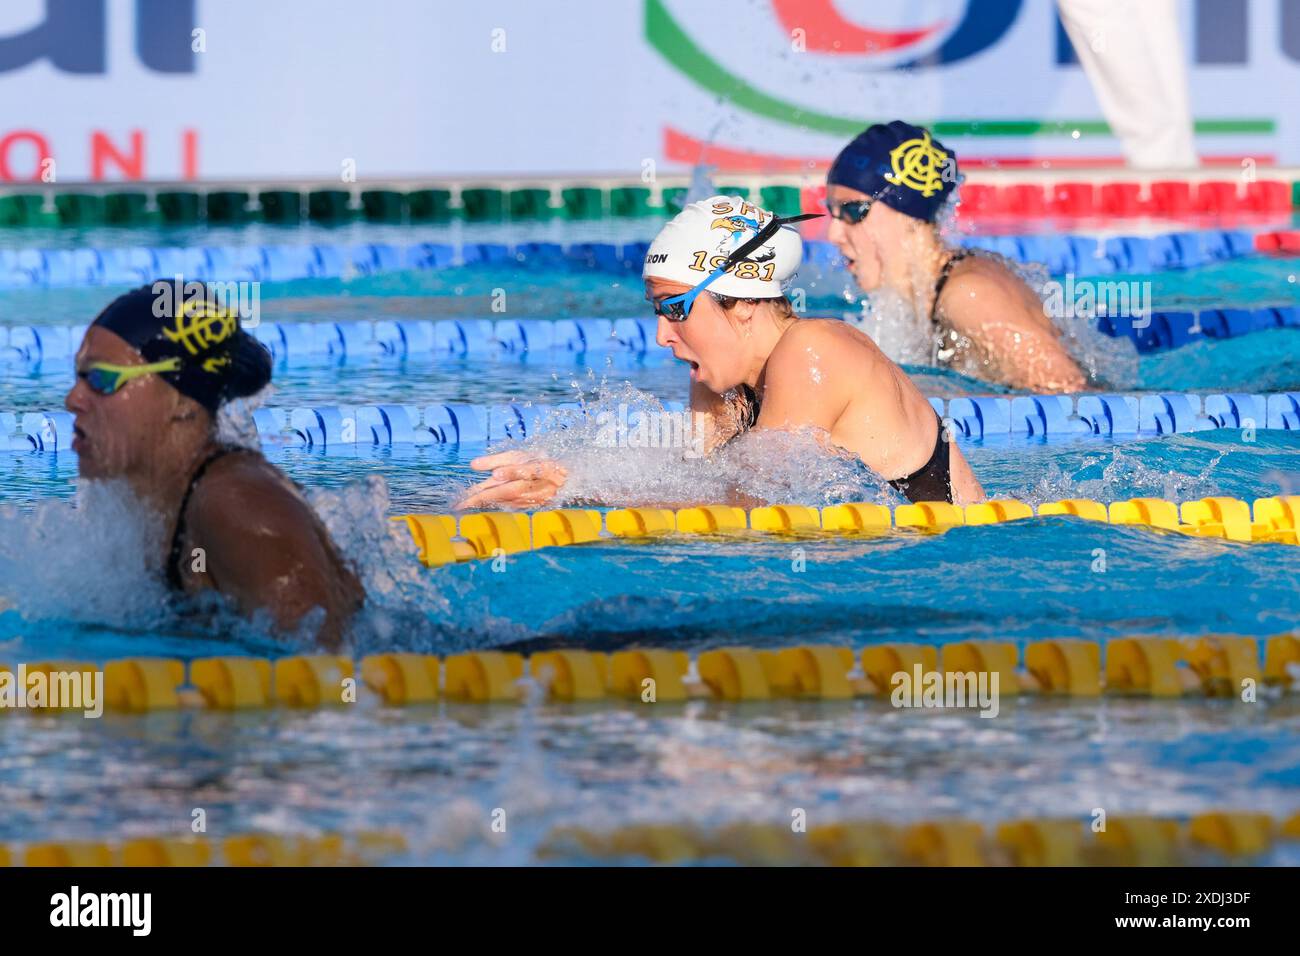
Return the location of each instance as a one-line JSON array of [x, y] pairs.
[[716, 275]]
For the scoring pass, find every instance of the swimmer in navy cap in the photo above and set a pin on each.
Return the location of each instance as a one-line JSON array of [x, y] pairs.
[[716, 276], [885, 191], [152, 371]]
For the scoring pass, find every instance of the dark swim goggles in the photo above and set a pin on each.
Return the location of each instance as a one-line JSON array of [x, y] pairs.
[[851, 212], [676, 308]]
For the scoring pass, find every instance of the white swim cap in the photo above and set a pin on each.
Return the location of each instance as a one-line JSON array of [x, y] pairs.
[[701, 236]]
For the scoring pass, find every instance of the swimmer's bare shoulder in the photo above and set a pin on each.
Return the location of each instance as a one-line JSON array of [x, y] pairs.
[[986, 284], [826, 342], [265, 547], [991, 305], [816, 369], [833, 346]]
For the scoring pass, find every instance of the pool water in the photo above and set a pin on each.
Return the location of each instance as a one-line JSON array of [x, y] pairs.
[[78, 587]]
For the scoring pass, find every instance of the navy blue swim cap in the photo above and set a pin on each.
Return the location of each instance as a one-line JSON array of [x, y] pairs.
[[166, 319], [899, 164]]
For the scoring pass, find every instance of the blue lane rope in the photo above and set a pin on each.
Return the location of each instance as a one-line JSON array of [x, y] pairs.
[[134, 265], [362, 340], [977, 418]]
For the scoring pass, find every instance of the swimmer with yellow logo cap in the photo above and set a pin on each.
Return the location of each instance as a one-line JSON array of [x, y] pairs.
[[152, 372], [716, 276], [884, 192]]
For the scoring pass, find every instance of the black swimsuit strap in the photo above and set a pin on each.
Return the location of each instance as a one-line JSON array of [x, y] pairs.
[[749, 407], [942, 281], [174, 556], [933, 480]]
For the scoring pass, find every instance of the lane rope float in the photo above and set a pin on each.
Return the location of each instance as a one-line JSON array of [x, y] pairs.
[[1141, 667]]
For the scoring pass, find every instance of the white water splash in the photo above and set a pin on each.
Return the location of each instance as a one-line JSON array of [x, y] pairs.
[[758, 466], [98, 561], [1126, 476], [1108, 362], [93, 562], [235, 425], [892, 323]]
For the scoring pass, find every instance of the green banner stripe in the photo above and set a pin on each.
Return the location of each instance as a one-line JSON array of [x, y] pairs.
[[680, 50], [1002, 127], [676, 46]]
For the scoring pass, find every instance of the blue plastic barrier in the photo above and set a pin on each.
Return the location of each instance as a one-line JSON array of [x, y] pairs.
[[485, 253], [504, 422], [1284, 411], [1044, 415], [286, 263], [459, 337], [1236, 410], [981, 417], [450, 424], [1041, 416], [430, 255], [414, 337], [603, 256], [1108, 414], [1168, 413], [270, 425], [1082, 255], [358, 339], [9, 425], [632, 255], [374, 258], [325, 425], [48, 431], [541, 255]]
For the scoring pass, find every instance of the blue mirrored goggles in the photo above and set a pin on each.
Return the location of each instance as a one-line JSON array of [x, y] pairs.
[[676, 308]]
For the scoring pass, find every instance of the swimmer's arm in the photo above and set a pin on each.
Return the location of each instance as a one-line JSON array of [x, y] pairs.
[[1021, 343], [519, 480], [262, 550], [713, 421]]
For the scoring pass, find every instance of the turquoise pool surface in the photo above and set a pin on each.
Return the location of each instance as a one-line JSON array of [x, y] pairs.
[[78, 585]]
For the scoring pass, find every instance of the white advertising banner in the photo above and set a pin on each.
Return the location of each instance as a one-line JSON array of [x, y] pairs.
[[107, 90]]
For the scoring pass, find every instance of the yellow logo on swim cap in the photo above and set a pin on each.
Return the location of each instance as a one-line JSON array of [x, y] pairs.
[[201, 325], [918, 165]]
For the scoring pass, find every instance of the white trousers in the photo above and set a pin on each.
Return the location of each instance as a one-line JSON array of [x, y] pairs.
[[1133, 55]]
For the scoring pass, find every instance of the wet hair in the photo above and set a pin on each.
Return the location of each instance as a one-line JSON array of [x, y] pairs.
[[780, 305]]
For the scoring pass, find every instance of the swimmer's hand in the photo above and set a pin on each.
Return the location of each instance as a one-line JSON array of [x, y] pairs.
[[519, 480]]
